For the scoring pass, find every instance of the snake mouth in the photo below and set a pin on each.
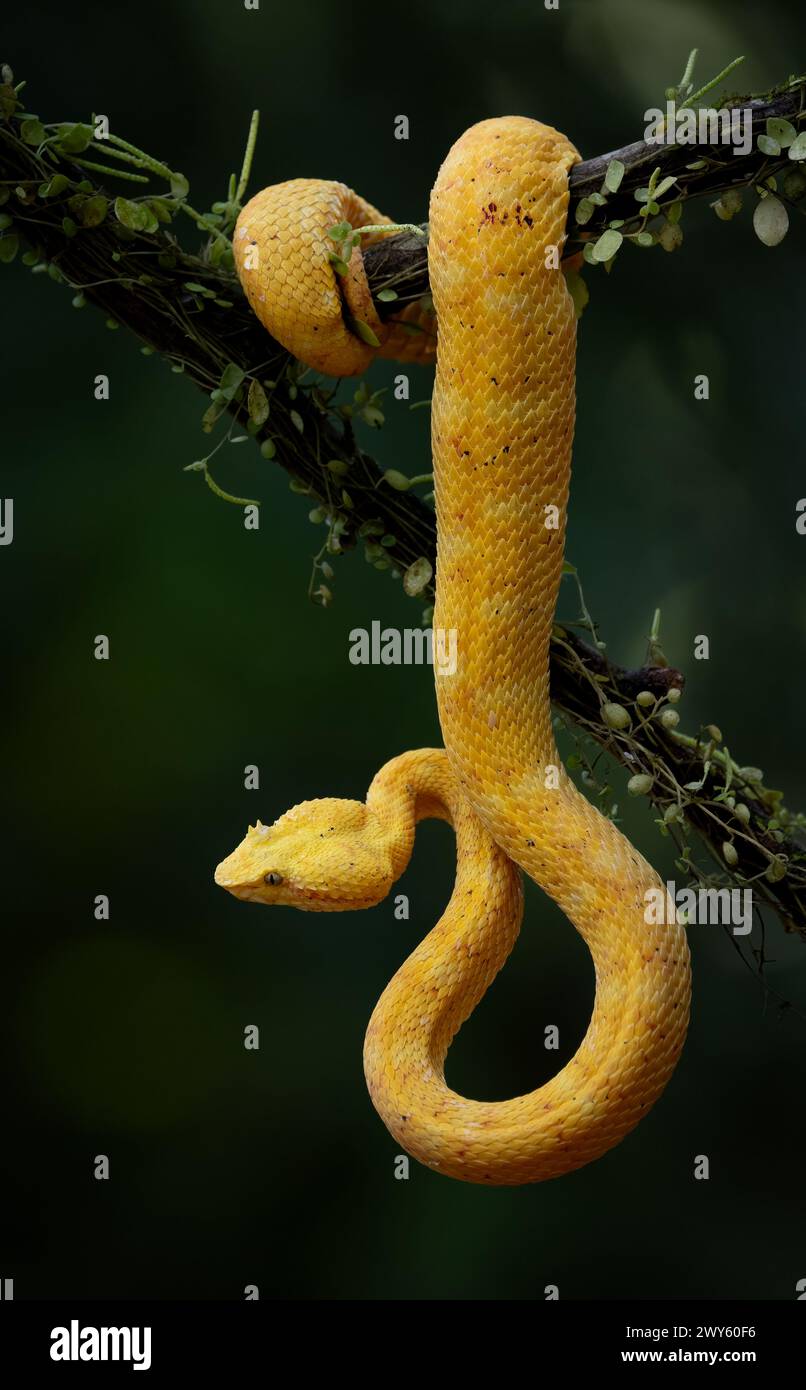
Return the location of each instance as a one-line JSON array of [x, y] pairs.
[[243, 891]]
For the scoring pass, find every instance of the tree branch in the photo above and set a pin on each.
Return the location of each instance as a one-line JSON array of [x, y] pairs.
[[401, 263], [188, 308]]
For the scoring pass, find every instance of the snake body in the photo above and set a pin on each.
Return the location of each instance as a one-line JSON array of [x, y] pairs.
[[502, 428]]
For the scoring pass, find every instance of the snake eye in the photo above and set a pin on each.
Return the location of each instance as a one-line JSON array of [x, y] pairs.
[[273, 879]]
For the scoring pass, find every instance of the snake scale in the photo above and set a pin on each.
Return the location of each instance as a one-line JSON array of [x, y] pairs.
[[502, 429]]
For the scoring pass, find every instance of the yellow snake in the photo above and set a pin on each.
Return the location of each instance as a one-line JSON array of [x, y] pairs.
[[503, 416]]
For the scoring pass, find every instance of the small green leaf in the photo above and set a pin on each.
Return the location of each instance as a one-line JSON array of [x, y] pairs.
[[776, 869], [258, 403], [598, 199], [297, 421], [607, 245], [74, 137], [663, 186], [674, 212], [797, 150], [645, 239], [728, 204], [9, 246], [69, 227], [795, 184], [211, 416], [698, 786], [135, 216], [768, 146], [93, 211], [5, 221], [32, 131], [230, 382], [671, 236], [54, 186], [163, 209], [386, 296], [268, 449], [584, 211], [339, 231], [8, 101], [578, 291], [770, 221], [418, 577], [180, 186], [613, 175], [397, 480], [341, 267], [782, 131], [362, 330]]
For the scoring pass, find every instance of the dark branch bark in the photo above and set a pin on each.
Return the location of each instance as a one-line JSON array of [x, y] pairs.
[[401, 262]]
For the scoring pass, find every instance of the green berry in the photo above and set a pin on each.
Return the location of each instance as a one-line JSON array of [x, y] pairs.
[[615, 716]]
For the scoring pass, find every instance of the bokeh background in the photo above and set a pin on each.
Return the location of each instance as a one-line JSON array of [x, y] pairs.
[[126, 778]]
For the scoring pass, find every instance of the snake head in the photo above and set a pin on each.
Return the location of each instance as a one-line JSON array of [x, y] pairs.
[[321, 856]]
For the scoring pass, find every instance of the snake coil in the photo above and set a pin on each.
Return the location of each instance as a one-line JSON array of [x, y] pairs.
[[502, 430]]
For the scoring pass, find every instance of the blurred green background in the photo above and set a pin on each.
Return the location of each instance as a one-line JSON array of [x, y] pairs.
[[126, 778]]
